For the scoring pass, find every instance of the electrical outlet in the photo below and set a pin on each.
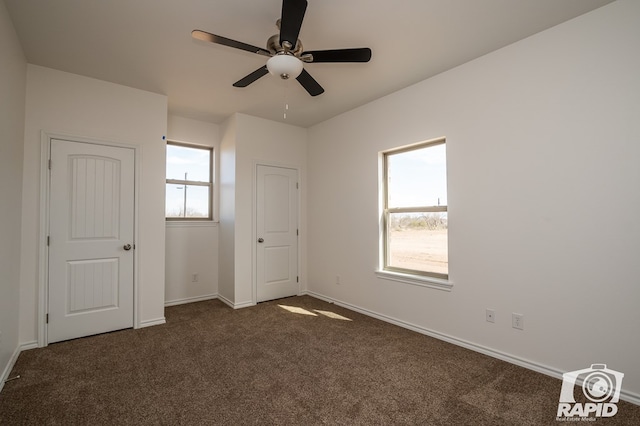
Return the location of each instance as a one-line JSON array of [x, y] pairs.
[[337, 279], [517, 321], [491, 315], [194, 277]]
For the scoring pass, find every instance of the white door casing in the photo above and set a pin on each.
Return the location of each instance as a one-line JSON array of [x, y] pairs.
[[277, 232], [91, 229]]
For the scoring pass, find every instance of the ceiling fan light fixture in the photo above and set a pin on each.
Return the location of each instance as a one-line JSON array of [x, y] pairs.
[[285, 51], [285, 66]]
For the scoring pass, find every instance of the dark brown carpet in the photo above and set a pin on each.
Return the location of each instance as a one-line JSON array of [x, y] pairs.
[[266, 365]]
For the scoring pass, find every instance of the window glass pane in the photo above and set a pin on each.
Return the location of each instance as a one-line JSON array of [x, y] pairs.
[[194, 197], [417, 178], [197, 201], [418, 241], [186, 163], [174, 206]]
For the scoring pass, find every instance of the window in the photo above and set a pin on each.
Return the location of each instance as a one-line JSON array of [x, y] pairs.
[[189, 182], [415, 228]]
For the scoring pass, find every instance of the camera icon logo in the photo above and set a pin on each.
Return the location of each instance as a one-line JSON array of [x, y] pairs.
[[599, 385]]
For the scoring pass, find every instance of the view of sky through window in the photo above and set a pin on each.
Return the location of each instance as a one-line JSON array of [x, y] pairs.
[[193, 161], [418, 178]]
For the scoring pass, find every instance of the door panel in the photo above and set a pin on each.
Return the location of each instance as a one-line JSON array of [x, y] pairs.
[[95, 196], [276, 264], [277, 226], [91, 221], [92, 285]]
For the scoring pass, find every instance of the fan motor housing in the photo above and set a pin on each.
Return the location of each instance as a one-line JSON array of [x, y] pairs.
[[273, 45]]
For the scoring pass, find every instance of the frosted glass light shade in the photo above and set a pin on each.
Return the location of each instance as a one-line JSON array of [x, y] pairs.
[[284, 66]]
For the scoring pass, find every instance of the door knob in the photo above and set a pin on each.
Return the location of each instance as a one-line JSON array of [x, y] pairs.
[[127, 247], [261, 240]]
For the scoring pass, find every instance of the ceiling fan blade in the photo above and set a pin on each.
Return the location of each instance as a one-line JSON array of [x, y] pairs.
[[212, 38], [291, 21], [341, 55], [244, 82], [309, 83]]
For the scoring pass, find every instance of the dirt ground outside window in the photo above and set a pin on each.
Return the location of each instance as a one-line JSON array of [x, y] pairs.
[[419, 249]]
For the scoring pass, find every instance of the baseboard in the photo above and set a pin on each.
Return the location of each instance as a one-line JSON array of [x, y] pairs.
[[28, 346], [13, 359], [190, 300], [226, 301], [150, 323], [631, 397], [233, 305], [9, 367], [243, 305]]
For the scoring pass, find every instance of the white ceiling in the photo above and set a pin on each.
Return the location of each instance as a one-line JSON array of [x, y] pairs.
[[147, 44]]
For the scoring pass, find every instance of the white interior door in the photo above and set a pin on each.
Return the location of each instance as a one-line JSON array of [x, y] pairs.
[[91, 219], [277, 233]]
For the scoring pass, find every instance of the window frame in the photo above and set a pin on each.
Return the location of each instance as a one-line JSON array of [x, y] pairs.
[[412, 276], [187, 182]]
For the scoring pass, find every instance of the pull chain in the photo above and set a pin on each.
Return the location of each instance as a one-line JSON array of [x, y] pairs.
[[286, 103]]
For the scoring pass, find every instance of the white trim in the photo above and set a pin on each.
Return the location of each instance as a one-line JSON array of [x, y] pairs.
[[28, 346], [191, 224], [226, 301], [43, 258], [43, 263], [254, 231], [441, 140], [246, 304], [14, 359], [9, 367], [631, 397], [419, 280], [152, 322], [190, 300], [137, 176], [233, 305]]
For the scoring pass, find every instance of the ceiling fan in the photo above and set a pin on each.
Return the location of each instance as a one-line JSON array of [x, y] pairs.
[[285, 51]]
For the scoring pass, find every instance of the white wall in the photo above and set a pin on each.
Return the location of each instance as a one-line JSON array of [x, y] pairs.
[[226, 270], [13, 80], [192, 247], [543, 174], [248, 141], [65, 103]]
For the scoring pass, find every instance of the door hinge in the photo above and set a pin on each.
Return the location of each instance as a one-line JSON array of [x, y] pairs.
[[297, 232], [47, 319], [297, 279], [297, 185], [49, 164], [48, 240]]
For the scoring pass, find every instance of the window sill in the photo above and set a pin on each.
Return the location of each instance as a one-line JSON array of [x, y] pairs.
[[418, 280], [191, 224]]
